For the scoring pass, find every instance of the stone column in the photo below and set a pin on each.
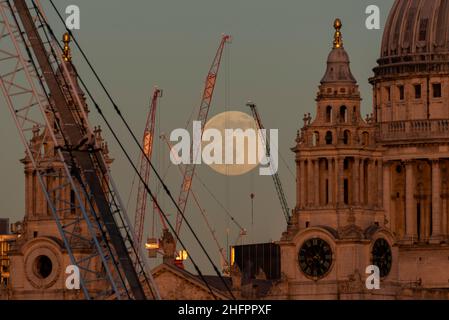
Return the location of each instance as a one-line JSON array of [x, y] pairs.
[[379, 183], [28, 193], [336, 183], [436, 202], [330, 178], [362, 182], [298, 183], [302, 182], [310, 182], [340, 183], [370, 183], [410, 210], [40, 204], [59, 193], [356, 182], [317, 178], [444, 217], [34, 193], [387, 192]]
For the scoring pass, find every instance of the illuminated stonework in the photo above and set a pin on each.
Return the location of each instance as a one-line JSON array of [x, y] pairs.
[[377, 189]]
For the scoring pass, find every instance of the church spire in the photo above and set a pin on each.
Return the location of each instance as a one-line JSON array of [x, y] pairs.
[[338, 38], [338, 69]]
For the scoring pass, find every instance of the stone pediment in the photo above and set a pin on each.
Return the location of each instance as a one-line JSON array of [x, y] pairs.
[[175, 283], [351, 232]]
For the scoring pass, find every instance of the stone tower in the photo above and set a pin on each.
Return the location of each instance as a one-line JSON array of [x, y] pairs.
[[338, 214], [39, 258], [373, 194], [336, 151]]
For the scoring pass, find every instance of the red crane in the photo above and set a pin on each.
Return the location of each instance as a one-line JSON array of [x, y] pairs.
[[189, 172], [221, 250], [145, 168]]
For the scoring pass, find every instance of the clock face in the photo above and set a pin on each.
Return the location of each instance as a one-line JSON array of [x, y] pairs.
[[382, 256], [315, 258]]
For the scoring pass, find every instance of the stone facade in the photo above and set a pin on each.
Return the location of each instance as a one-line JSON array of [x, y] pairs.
[[379, 182]]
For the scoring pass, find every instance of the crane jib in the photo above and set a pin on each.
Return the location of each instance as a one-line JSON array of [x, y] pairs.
[[206, 101]]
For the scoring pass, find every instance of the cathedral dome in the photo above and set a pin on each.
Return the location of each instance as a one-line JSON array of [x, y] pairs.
[[416, 34]]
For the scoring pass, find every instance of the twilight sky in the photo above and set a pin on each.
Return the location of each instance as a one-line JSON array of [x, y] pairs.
[[276, 59]]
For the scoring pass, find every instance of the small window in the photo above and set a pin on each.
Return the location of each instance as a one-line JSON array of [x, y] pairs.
[[417, 91], [436, 88], [365, 138], [43, 267], [346, 191], [388, 93], [329, 114], [401, 92], [423, 29], [343, 114], [329, 138], [346, 137], [346, 164]]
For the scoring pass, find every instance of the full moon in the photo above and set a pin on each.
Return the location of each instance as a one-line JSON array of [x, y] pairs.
[[233, 120]]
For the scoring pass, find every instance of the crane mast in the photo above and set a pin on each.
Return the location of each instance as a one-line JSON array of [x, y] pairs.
[[37, 81], [208, 93], [276, 180], [145, 168]]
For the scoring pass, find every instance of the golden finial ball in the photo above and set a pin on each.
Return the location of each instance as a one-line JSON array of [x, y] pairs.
[[337, 24], [66, 37]]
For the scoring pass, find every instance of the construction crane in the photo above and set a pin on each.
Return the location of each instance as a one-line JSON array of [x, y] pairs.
[[206, 101], [275, 175], [221, 250], [145, 169], [39, 83]]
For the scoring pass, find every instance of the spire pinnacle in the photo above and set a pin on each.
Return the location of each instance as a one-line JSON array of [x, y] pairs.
[[338, 38], [67, 56]]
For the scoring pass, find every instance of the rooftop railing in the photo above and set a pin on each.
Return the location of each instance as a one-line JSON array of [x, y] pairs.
[[414, 129]]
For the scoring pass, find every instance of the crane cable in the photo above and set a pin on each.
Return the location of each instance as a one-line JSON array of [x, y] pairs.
[[208, 190], [164, 186], [202, 211]]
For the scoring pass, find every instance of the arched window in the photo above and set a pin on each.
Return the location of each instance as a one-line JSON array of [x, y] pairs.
[[329, 114], [343, 114], [347, 137], [365, 138], [329, 138]]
